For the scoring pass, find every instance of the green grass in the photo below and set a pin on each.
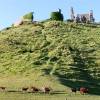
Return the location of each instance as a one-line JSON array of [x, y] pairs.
[[51, 53], [31, 96], [15, 83]]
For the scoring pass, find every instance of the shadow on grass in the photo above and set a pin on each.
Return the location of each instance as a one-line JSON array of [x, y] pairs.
[[81, 76], [36, 93], [93, 89]]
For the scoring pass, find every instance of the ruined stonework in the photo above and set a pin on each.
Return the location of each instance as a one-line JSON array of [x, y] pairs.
[[27, 18], [86, 17]]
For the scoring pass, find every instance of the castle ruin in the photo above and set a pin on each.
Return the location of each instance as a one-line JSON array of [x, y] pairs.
[[87, 17]]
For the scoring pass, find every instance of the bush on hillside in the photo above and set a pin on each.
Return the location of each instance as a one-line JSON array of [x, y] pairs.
[[28, 17], [70, 20], [57, 16]]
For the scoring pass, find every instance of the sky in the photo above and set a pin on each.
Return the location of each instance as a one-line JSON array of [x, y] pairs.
[[12, 10]]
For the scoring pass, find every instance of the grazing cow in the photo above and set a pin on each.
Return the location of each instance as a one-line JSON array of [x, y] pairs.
[[34, 89], [83, 90], [46, 90], [2, 88], [74, 90], [24, 88]]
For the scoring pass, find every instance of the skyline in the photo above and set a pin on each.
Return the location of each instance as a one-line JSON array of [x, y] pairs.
[[12, 10]]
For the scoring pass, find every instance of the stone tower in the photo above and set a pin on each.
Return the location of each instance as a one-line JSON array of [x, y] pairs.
[[72, 13], [91, 16], [59, 10]]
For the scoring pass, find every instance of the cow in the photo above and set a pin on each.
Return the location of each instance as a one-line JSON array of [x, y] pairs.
[[25, 88], [2, 88], [74, 90], [46, 89], [84, 90], [34, 89]]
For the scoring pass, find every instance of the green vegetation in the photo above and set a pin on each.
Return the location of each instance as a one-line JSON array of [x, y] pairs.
[[57, 16], [61, 54], [28, 17], [31, 96]]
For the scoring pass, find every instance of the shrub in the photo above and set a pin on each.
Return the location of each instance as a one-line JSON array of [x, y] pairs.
[[28, 17], [70, 20], [57, 16]]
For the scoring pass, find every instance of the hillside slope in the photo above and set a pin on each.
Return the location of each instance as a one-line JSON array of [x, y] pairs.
[[68, 51]]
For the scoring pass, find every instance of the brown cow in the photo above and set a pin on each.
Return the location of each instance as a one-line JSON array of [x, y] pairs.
[[34, 89], [2, 88], [74, 90], [25, 88], [84, 90], [46, 89]]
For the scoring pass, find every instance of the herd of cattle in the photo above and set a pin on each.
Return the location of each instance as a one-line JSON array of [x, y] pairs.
[[35, 89], [82, 90]]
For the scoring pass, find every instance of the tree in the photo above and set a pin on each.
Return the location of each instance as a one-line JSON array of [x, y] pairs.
[[57, 15]]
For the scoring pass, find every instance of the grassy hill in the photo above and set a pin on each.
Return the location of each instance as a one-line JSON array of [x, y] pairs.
[[58, 53]]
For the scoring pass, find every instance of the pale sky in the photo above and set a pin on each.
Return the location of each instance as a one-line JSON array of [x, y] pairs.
[[12, 10]]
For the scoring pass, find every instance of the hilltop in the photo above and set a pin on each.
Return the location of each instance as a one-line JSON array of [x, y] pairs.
[[62, 52]]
